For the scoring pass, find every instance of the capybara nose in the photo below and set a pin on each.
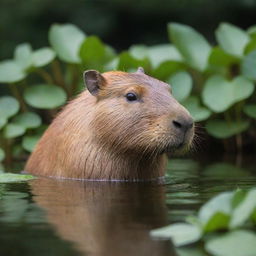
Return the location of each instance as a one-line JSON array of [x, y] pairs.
[[184, 124]]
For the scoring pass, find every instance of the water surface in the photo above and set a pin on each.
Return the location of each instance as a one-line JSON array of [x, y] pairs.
[[62, 217]]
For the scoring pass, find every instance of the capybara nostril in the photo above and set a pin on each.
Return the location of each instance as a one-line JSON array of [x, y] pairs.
[[183, 124]]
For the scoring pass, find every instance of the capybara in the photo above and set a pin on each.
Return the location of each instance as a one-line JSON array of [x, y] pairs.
[[120, 128]]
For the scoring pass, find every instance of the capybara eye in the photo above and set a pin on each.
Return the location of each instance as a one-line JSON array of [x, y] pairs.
[[130, 96]]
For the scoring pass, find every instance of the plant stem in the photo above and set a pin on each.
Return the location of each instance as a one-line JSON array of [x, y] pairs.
[[17, 95], [75, 79], [58, 74], [45, 75]]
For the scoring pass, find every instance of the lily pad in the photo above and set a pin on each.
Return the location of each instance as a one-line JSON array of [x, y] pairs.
[[9, 106], [198, 112], [221, 129], [28, 120], [11, 72], [219, 94], [2, 155], [193, 46], [225, 35], [45, 96], [180, 233], [12, 177], [12, 130], [250, 110], [236, 243], [181, 84], [66, 40], [29, 142]]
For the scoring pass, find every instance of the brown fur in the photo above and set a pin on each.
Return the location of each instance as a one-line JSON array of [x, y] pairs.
[[104, 136]]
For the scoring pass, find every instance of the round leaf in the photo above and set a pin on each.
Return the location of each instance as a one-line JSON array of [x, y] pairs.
[[180, 233], [197, 112], [192, 45], [45, 96], [66, 40], [222, 130], [250, 110], [13, 130], [29, 142], [248, 65], [10, 72], [9, 106], [28, 120], [42, 57], [232, 39], [22, 55], [2, 155], [3, 122], [218, 57], [181, 84], [236, 243]]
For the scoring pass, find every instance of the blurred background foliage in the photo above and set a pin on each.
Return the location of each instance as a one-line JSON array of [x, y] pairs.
[[210, 64]]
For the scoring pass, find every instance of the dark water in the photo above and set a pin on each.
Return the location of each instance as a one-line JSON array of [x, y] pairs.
[[60, 217]]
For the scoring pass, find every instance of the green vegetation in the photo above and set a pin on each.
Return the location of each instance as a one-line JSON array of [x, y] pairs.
[[225, 224], [216, 83], [12, 177]]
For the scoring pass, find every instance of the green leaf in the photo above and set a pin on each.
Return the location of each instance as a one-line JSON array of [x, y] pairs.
[[192, 45], [220, 94], [13, 130], [250, 110], [29, 142], [218, 57], [45, 96], [92, 53], [238, 197], [180, 233], [28, 120], [9, 106], [215, 213], [198, 113], [22, 55], [3, 121], [66, 40], [11, 177], [232, 39], [244, 210], [236, 243], [42, 57], [222, 130], [11, 72], [181, 84], [248, 65], [2, 155]]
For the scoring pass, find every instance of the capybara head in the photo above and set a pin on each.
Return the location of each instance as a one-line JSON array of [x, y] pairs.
[[135, 113]]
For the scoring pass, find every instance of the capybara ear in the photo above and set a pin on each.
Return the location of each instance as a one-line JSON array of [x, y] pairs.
[[140, 70], [93, 81]]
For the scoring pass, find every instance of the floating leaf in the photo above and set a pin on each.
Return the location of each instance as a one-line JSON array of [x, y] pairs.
[[29, 142], [9, 106], [220, 94], [232, 39], [180, 233], [42, 57], [66, 40], [236, 243], [2, 155], [215, 213], [22, 55], [181, 84], [197, 51], [248, 65], [45, 96], [11, 72], [250, 110], [28, 120], [13, 130], [11, 177], [221, 129], [197, 112], [244, 210]]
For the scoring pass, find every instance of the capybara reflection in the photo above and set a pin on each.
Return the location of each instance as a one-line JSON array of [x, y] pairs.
[[120, 128]]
